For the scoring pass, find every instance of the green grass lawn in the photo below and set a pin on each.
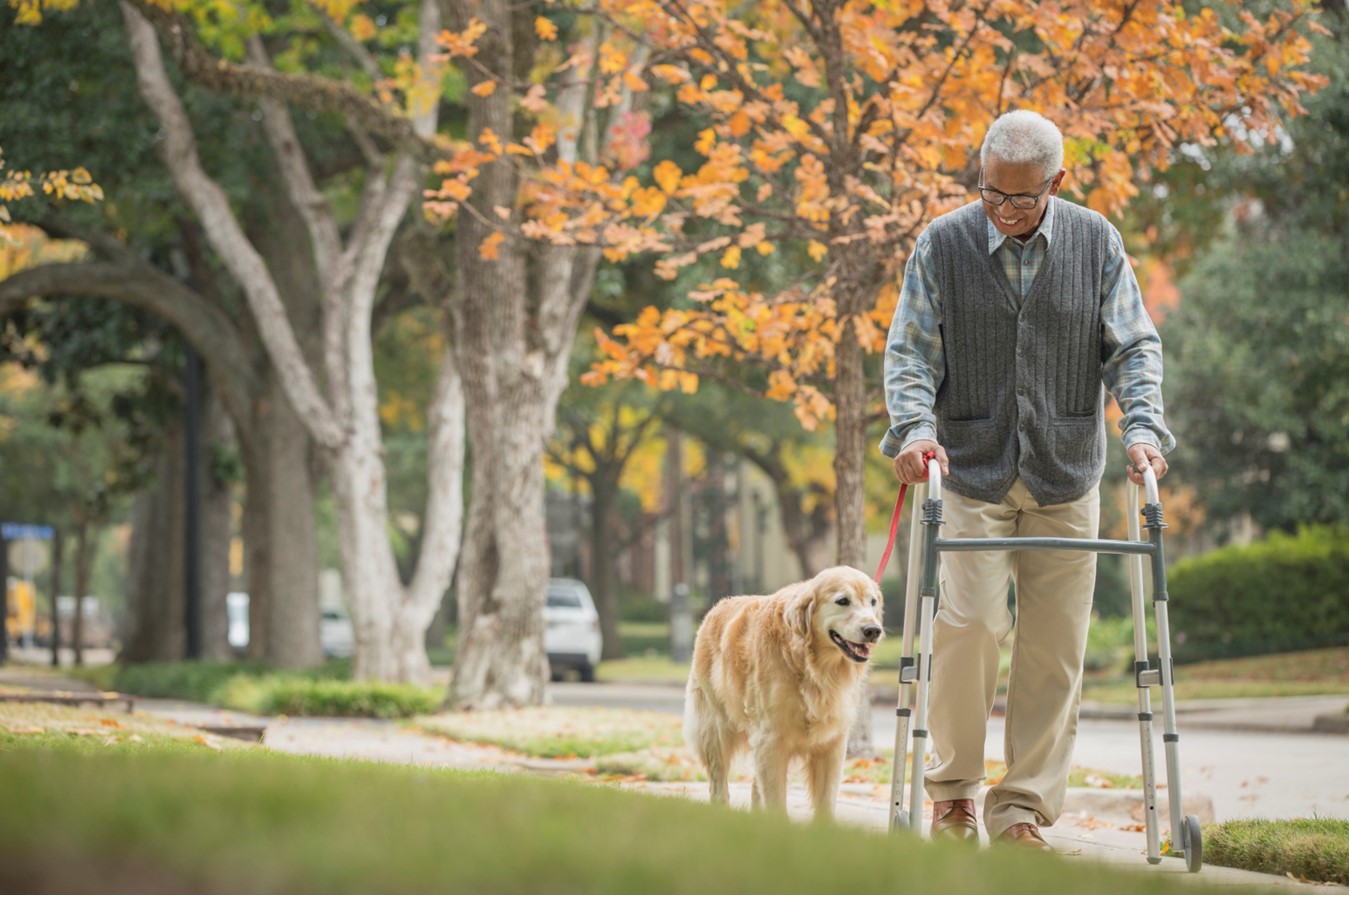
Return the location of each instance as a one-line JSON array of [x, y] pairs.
[[191, 819], [1304, 673], [1315, 850]]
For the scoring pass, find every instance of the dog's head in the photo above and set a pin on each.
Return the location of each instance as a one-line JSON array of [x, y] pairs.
[[841, 607]]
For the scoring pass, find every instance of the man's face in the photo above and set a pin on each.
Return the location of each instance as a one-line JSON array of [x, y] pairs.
[[1018, 178]]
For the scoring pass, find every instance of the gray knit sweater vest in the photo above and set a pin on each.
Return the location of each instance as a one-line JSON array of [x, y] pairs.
[[1022, 395]]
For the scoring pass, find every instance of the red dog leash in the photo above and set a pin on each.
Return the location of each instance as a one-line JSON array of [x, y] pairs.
[[894, 519]]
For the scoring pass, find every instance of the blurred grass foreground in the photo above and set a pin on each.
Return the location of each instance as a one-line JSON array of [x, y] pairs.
[[171, 814]]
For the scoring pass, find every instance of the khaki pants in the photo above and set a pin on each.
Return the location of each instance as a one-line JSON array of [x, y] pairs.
[[1053, 599]]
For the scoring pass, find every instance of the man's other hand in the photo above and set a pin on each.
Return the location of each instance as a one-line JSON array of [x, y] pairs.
[[1141, 456], [911, 468]]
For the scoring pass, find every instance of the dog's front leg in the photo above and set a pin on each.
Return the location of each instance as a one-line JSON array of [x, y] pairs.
[[770, 772], [824, 771]]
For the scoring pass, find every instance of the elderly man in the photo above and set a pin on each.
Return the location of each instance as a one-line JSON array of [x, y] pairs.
[[1015, 310]]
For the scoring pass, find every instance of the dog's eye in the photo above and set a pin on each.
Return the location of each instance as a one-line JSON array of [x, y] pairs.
[[873, 601], [843, 601]]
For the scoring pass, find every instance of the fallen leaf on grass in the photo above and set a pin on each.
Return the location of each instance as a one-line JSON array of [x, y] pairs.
[[206, 741], [86, 732], [111, 723], [27, 729], [1132, 827]]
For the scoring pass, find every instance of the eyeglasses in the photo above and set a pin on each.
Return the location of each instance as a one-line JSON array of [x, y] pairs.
[[1020, 201]]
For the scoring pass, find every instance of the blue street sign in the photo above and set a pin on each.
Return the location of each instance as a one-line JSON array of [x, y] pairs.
[[15, 531]]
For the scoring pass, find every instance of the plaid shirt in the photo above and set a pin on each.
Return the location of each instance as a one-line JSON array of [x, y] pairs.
[[914, 356]]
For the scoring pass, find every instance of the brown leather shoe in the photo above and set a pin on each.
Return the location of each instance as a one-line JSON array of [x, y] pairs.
[[1025, 834], [955, 820]]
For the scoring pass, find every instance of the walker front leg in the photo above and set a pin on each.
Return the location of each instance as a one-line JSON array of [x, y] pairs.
[[899, 817], [931, 567]]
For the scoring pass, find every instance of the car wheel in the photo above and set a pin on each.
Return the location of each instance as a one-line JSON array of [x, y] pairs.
[[587, 673]]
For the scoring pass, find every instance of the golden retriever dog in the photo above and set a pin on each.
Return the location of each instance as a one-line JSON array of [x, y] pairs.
[[780, 676]]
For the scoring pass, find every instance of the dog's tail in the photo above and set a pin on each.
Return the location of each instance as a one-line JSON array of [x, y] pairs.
[[694, 704]]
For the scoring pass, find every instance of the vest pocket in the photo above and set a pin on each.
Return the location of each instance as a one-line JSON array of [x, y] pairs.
[[1076, 438]]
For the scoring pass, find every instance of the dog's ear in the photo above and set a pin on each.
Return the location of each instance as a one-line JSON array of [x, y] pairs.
[[803, 611]]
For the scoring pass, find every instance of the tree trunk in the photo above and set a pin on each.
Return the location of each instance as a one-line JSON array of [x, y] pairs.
[[850, 393], [279, 538], [808, 534], [58, 560], [215, 531], [603, 578], [155, 618], [503, 573], [83, 554]]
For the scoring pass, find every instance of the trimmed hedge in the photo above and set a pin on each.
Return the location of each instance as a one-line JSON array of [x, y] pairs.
[[252, 687], [1282, 594]]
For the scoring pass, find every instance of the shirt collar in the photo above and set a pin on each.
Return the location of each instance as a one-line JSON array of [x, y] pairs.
[[996, 237]]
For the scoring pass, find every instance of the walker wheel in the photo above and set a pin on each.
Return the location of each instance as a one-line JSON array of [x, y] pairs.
[[1194, 844]]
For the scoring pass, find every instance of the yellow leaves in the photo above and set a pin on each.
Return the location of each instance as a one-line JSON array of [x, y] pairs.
[[684, 382], [806, 72], [731, 258], [648, 202], [63, 184], [545, 29], [795, 127], [362, 28], [29, 12], [490, 248], [488, 138], [667, 175], [819, 251], [484, 88], [612, 59], [707, 139], [781, 385], [541, 137], [463, 43]]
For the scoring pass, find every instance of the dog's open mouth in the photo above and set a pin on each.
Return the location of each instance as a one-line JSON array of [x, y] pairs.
[[856, 652]]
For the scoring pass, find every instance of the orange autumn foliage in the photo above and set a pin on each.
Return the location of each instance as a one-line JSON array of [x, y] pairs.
[[839, 129]]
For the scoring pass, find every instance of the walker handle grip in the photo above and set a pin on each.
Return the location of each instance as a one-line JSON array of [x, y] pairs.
[[933, 477], [1150, 485]]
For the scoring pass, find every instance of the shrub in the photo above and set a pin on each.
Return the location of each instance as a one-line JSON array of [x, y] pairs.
[[1285, 593], [251, 687], [1110, 645], [186, 680], [292, 695]]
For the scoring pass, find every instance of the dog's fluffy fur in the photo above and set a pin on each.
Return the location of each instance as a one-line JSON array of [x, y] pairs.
[[780, 676]]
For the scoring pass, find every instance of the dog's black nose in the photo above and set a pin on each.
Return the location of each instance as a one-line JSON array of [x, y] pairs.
[[870, 633]]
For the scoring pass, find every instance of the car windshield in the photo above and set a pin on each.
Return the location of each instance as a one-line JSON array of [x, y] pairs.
[[564, 600]]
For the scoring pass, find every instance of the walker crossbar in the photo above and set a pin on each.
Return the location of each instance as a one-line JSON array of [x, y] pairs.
[[1143, 548]]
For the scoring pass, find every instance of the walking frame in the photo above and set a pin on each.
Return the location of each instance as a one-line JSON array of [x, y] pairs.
[[915, 669]]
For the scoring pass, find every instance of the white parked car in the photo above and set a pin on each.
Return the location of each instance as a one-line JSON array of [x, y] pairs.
[[336, 636], [571, 633]]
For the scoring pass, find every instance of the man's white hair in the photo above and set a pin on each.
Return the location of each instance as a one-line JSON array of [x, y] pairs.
[[1022, 136]]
